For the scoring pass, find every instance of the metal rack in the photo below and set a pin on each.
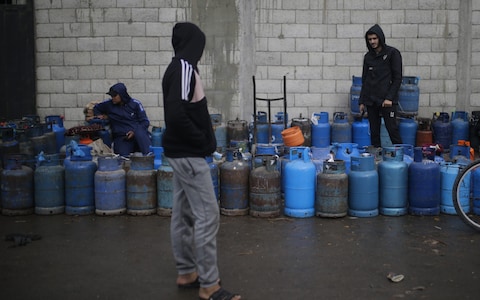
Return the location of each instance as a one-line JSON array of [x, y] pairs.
[[255, 99]]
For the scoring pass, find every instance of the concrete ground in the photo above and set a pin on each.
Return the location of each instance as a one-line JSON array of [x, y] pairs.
[[129, 257]]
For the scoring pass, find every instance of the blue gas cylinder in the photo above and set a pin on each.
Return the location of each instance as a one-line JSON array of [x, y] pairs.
[[341, 130], [460, 126], [49, 180], [214, 171], [157, 154], [8, 145], [344, 151], [16, 187], [424, 185], [475, 188], [408, 95], [331, 196], [320, 130], [319, 155], [407, 128], [361, 132], [110, 187], [157, 134], [234, 176], [79, 181], [363, 192], [448, 174], [265, 189], [300, 177], [355, 90], [407, 152], [164, 189], [442, 129], [141, 185], [220, 130], [56, 125], [393, 182]]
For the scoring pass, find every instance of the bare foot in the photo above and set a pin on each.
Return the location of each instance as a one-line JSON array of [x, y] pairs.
[[206, 293], [184, 279]]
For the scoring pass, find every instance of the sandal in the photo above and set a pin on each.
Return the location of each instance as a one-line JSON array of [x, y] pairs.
[[221, 294]]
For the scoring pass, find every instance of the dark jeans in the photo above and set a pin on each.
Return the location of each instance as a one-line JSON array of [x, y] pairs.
[[140, 142], [389, 114]]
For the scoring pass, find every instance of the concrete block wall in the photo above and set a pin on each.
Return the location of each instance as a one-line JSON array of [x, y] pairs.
[[83, 47]]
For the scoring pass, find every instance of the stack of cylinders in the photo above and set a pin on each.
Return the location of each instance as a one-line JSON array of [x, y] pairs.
[[110, 187], [423, 185], [332, 190], [49, 179], [164, 189], [80, 181], [17, 187], [363, 193], [393, 182], [265, 186], [141, 185]]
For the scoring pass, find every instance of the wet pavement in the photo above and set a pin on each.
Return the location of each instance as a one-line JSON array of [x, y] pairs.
[[129, 257]]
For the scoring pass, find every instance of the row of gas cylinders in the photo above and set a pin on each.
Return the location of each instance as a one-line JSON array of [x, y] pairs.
[[319, 132], [310, 186]]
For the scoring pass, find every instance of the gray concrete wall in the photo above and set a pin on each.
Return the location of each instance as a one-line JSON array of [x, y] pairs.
[[85, 46]]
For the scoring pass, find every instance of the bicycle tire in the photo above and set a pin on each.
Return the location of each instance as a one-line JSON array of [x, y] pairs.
[[467, 217]]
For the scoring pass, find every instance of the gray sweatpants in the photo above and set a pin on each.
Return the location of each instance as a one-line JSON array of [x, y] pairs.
[[195, 219]]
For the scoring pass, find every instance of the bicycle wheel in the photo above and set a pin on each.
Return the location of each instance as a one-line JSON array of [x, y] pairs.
[[466, 194]]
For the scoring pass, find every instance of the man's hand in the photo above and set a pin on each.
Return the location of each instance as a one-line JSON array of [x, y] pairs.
[[129, 135], [387, 103], [362, 107]]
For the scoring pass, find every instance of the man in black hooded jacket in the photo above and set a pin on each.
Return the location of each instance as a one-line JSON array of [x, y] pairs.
[[381, 80], [187, 140]]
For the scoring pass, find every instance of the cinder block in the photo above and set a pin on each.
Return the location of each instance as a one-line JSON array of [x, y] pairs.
[[90, 72], [105, 58], [77, 58], [64, 72]]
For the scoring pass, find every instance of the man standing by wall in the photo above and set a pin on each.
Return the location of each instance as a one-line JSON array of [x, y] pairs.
[[381, 80]]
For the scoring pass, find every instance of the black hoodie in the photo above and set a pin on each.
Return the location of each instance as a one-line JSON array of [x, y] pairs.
[[382, 72], [188, 127]]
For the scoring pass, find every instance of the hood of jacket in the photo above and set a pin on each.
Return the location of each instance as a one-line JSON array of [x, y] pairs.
[[376, 29], [188, 42], [120, 89]]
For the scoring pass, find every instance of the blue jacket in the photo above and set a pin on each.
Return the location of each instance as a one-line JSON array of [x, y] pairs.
[[128, 116]]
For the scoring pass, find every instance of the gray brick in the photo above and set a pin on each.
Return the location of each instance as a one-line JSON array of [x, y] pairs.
[[145, 15], [418, 16], [335, 72], [323, 86], [158, 58], [42, 44], [159, 30], [153, 86], [146, 72], [49, 86], [281, 45], [338, 16], [318, 31], [118, 15], [354, 4], [64, 72], [49, 59], [309, 44], [348, 59], [45, 4], [77, 58], [431, 4], [63, 15], [295, 30], [406, 30], [90, 72], [267, 58], [77, 29], [391, 16], [130, 3], [89, 15], [77, 86], [43, 73], [294, 58], [332, 45], [309, 17], [104, 58], [63, 44], [119, 72], [63, 100], [321, 59], [91, 44], [49, 30], [362, 16], [41, 16], [282, 16], [349, 31], [418, 45], [118, 43], [407, 5], [131, 29], [145, 44], [308, 100], [105, 29], [131, 58], [166, 14], [43, 100]]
